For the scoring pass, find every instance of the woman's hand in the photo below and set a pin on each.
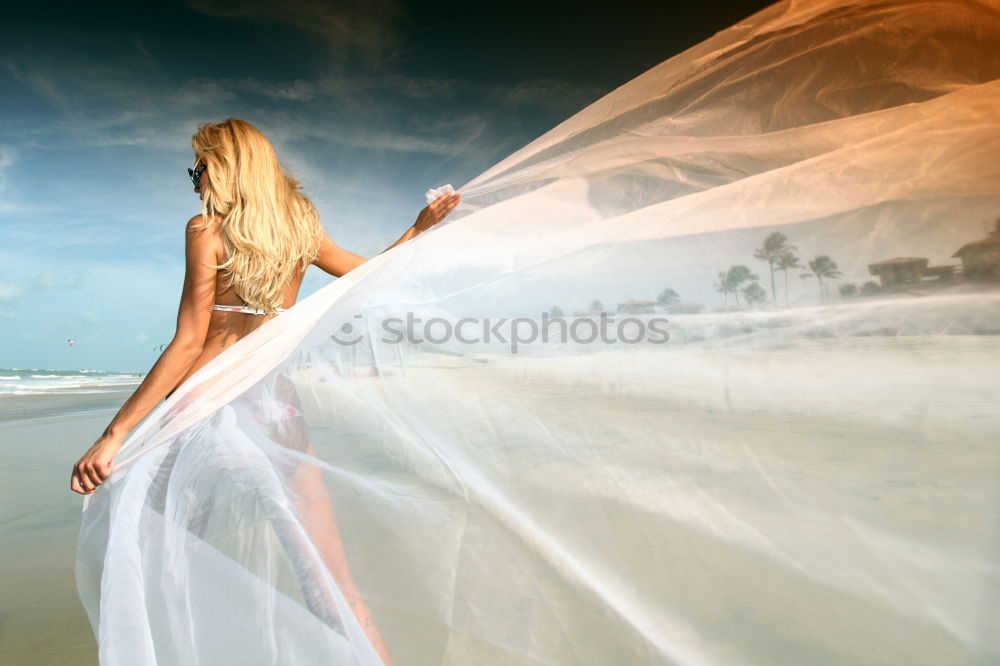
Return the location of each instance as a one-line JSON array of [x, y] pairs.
[[95, 465], [437, 211]]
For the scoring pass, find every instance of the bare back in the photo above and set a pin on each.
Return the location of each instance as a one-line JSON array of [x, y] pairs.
[[226, 328]]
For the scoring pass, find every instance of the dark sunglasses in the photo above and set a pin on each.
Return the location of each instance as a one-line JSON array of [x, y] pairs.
[[195, 173]]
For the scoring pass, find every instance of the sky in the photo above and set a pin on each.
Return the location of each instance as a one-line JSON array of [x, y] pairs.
[[369, 104]]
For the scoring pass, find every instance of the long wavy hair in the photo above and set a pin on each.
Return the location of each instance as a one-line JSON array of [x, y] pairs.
[[270, 229]]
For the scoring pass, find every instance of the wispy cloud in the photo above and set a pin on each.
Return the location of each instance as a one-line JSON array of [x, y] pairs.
[[38, 83], [9, 293], [7, 156], [297, 90], [554, 94], [124, 111], [75, 278], [333, 86]]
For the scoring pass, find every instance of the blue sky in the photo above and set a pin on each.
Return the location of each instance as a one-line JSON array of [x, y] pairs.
[[368, 103]]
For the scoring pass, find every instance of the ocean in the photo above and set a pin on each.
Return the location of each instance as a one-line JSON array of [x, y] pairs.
[[36, 392]]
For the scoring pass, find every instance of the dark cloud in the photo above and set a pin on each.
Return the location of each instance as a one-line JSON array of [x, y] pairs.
[[364, 29]]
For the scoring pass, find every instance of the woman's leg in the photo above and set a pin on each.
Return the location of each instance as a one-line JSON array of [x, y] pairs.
[[315, 509]]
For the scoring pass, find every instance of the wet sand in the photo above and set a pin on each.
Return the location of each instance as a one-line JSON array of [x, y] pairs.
[[42, 622], [17, 407]]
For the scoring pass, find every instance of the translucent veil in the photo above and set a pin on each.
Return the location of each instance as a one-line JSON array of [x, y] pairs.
[[774, 439]]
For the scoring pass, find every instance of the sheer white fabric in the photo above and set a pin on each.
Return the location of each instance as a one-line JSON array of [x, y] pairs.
[[810, 479]]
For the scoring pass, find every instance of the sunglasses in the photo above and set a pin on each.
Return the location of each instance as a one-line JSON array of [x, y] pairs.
[[195, 173]]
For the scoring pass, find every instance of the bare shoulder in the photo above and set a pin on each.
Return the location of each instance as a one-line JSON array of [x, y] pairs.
[[200, 223], [203, 237]]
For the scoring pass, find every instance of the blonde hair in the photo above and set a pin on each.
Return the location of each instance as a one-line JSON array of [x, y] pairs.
[[269, 228]]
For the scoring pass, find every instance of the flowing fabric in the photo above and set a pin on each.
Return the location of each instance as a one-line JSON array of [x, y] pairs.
[[727, 460]]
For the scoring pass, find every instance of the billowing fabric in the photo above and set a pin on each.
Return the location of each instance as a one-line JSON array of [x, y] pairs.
[[779, 474]]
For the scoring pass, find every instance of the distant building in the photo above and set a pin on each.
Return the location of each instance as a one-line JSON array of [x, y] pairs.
[[637, 307], [981, 258], [898, 271], [980, 261], [909, 271], [940, 272]]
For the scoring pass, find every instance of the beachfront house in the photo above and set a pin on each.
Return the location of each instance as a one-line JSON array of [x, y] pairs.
[[898, 270], [981, 258], [901, 272]]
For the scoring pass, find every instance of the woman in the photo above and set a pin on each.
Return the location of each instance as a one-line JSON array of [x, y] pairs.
[[246, 256]]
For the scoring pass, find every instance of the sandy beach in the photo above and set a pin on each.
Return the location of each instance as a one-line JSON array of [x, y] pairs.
[[42, 621], [20, 407], [801, 502], [766, 485]]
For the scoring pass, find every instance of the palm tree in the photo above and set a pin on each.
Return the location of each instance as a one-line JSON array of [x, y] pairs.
[[596, 305], [786, 261], [822, 267], [668, 297], [556, 311], [724, 287], [736, 276], [775, 246], [754, 293]]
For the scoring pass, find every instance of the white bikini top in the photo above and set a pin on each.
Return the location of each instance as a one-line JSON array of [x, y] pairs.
[[245, 309]]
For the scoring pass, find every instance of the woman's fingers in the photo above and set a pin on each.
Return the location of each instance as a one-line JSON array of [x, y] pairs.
[[91, 475], [87, 475], [95, 466], [437, 210], [444, 204], [79, 482], [446, 201]]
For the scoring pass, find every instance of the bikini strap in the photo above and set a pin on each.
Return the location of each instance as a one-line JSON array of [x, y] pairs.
[[246, 309]]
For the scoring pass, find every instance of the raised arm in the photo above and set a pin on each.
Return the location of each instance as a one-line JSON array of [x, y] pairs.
[[193, 315], [337, 261], [334, 259]]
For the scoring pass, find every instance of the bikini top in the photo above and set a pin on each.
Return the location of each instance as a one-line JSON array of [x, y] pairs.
[[245, 309]]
